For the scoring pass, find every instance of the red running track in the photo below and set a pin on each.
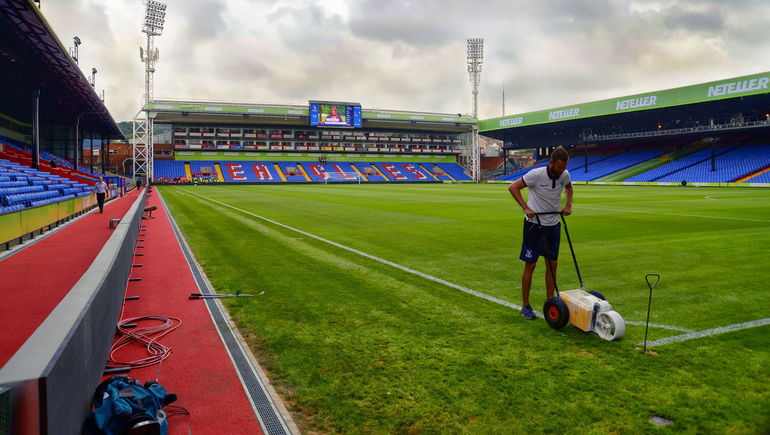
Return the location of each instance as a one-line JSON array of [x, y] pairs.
[[199, 369], [34, 280]]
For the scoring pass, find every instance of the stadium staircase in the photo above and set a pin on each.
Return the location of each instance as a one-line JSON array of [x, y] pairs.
[[757, 173], [304, 172], [428, 172], [280, 172], [219, 172]]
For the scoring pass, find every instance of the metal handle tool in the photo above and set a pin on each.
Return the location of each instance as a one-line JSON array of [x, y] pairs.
[[649, 304]]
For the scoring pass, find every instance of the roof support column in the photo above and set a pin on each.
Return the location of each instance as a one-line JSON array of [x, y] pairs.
[[36, 129], [104, 151], [91, 147], [713, 156]]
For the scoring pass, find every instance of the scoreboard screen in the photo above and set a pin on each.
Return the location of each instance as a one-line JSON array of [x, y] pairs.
[[329, 114]]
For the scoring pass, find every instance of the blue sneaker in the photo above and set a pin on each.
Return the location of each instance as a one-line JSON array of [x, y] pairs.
[[527, 312]]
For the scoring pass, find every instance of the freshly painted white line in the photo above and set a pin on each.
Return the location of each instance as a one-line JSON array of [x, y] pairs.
[[707, 333], [674, 214]]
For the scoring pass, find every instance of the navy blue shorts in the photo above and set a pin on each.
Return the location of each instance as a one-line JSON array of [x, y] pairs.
[[532, 243]]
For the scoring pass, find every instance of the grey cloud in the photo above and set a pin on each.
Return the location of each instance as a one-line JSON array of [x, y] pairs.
[[413, 22], [411, 55], [203, 19], [701, 21]]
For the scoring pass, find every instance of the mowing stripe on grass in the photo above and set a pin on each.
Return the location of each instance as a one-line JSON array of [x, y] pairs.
[[675, 214], [364, 254], [406, 269], [655, 325], [707, 332]]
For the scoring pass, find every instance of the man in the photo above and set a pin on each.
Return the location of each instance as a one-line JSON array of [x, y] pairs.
[[101, 190], [545, 188]]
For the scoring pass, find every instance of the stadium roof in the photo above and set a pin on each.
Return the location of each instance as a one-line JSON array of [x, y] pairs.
[[641, 116], [167, 111], [30, 55]]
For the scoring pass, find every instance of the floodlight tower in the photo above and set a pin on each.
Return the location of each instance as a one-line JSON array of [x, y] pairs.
[[475, 59], [154, 17], [77, 42]]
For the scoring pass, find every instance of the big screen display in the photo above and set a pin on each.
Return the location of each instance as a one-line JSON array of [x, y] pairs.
[[335, 114]]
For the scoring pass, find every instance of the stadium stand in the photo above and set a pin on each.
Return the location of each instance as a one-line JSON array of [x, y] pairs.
[[455, 171], [292, 171], [18, 152], [171, 171], [660, 172], [761, 178], [518, 174], [403, 171], [602, 167], [730, 165], [168, 169], [23, 187], [370, 172]]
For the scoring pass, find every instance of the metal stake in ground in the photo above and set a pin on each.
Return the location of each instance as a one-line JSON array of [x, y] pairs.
[[649, 304], [217, 295]]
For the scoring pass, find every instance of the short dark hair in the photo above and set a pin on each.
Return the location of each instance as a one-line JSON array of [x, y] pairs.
[[560, 154]]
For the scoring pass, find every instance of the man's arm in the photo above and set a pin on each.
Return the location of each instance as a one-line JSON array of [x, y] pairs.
[[515, 190], [568, 207]]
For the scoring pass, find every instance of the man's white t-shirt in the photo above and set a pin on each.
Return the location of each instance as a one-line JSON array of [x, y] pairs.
[[545, 193]]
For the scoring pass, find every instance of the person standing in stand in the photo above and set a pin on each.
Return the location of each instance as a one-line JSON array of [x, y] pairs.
[[101, 191]]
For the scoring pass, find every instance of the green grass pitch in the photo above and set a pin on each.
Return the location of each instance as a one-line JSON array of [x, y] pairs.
[[357, 346]]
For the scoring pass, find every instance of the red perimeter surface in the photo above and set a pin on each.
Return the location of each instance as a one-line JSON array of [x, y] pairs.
[[199, 369], [33, 281]]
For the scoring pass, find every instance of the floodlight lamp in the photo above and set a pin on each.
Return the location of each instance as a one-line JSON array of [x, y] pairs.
[[154, 16], [77, 41], [475, 50], [93, 70]]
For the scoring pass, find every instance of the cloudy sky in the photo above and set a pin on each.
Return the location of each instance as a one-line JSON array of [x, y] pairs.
[[410, 55]]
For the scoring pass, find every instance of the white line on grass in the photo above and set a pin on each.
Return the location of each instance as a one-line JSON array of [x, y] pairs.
[[675, 214], [707, 332]]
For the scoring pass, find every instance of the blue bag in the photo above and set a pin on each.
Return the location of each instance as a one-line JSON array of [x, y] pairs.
[[123, 406]]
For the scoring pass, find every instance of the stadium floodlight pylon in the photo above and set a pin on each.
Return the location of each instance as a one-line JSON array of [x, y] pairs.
[[475, 59], [152, 25]]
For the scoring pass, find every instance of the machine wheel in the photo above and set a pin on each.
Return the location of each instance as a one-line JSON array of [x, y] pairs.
[[597, 294], [610, 326], [556, 312]]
